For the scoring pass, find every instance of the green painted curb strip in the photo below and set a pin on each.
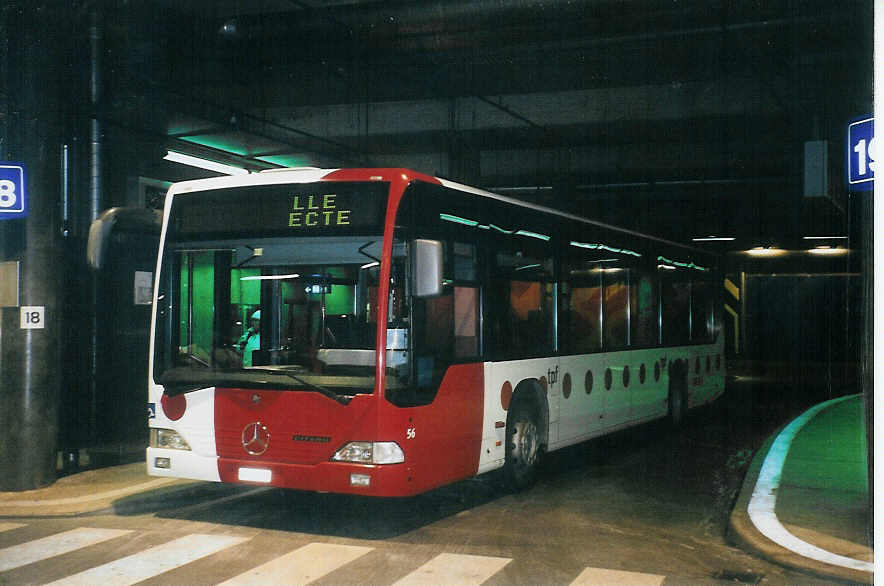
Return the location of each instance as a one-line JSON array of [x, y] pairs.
[[742, 531]]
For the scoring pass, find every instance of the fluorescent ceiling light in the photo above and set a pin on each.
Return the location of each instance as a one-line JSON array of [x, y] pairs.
[[176, 157], [714, 239], [766, 251], [824, 237], [828, 250], [269, 277]]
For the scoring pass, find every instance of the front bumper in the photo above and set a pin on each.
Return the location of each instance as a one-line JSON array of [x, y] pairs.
[[386, 480]]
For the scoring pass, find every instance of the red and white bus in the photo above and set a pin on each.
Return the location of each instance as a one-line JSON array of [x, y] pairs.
[[385, 332]]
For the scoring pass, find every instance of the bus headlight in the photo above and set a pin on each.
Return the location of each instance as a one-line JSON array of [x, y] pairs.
[[167, 438], [370, 453]]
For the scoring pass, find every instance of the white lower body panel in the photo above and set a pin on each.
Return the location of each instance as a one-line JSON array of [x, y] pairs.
[[183, 464]]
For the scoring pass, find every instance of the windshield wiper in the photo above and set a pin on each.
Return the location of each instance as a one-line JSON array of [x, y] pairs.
[[179, 381], [312, 386], [195, 358]]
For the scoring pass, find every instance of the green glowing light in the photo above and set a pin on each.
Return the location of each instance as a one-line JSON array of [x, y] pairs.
[[502, 230], [684, 265], [475, 224], [527, 267], [604, 247], [530, 234], [285, 160], [217, 142], [458, 220]]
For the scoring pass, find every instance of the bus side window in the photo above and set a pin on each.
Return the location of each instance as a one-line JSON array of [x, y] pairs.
[[702, 326], [644, 313], [584, 316], [581, 328], [466, 322], [522, 296], [676, 301], [447, 326], [434, 343], [466, 300], [616, 307]]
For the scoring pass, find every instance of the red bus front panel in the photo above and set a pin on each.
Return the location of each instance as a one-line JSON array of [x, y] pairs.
[[442, 440]]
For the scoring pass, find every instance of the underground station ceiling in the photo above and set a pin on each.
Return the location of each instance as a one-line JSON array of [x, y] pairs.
[[684, 119]]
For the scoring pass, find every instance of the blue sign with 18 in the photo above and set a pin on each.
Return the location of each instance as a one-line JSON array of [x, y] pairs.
[[13, 200]]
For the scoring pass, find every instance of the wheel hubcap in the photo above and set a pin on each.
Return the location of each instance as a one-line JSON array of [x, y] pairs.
[[525, 443]]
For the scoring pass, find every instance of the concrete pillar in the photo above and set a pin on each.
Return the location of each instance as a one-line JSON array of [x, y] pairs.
[[30, 369]]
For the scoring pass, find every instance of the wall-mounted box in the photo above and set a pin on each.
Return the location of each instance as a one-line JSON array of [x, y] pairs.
[[9, 283]]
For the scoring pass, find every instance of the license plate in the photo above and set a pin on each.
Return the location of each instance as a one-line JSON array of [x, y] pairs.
[[254, 474]]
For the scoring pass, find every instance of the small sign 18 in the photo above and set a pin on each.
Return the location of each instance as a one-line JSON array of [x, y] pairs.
[[33, 317]]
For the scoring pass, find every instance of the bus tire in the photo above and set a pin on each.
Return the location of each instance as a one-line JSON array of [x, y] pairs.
[[523, 444], [678, 396]]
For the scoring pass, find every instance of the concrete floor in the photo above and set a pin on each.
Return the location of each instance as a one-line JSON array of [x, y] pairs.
[[646, 506]]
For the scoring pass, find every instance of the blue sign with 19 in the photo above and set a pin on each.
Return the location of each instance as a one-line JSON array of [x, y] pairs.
[[861, 152]]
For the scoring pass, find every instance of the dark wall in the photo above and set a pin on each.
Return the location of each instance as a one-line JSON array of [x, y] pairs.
[[111, 413], [812, 319]]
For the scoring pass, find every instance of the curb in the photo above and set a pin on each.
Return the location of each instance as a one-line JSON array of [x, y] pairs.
[[742, 531], [128, 496], [72, 506]]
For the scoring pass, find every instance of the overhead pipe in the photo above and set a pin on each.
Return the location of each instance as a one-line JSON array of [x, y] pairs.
[[403, 21]]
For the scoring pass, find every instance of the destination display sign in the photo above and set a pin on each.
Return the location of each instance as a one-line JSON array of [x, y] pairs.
[[310, 211], [280, 210]]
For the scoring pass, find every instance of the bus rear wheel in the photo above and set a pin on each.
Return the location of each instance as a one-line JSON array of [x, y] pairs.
[[522, 445]]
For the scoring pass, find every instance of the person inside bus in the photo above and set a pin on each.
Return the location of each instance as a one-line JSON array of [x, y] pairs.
[[304, 333], [251, 339]]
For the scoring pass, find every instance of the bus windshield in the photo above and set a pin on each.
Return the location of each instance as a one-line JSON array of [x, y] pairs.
[[281, 313], [272, 285]]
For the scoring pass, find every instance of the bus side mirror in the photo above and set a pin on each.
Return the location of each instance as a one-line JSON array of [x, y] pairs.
[[124, 219], [426, 268]]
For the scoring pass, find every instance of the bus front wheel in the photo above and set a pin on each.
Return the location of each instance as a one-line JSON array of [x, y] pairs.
[[522, 445]]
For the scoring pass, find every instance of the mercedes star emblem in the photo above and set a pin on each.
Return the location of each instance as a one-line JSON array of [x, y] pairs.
[[255, 438]]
